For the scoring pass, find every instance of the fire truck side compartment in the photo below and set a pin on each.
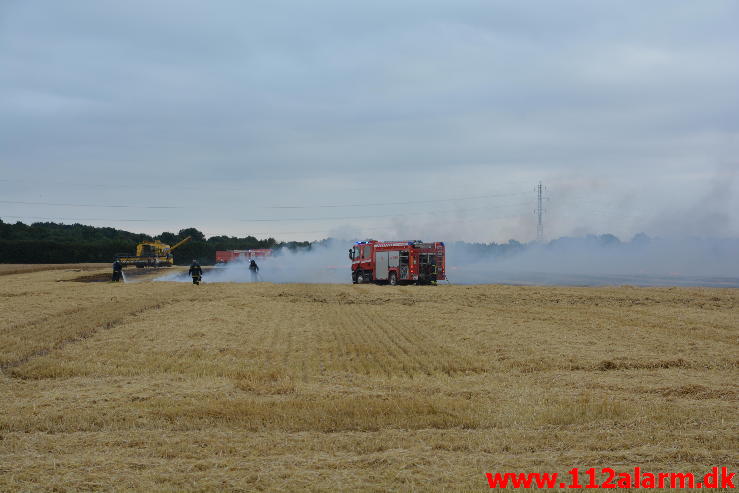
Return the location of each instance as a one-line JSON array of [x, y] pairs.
[[403, 271], [381, 265]]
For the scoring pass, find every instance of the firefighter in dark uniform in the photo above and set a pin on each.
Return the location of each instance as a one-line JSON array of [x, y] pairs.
[[196, 272], [254, 269], [117, 270]]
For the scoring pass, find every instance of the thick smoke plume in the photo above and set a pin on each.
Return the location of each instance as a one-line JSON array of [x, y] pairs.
[[592, 260], [600, 260], [323, 262]]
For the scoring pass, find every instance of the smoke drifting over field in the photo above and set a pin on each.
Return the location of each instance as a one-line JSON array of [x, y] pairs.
[[325, 262], [592, 260], [602, 260]]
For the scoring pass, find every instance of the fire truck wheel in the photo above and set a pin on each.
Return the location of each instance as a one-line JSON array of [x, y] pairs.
[[393, 279], [360, 278]]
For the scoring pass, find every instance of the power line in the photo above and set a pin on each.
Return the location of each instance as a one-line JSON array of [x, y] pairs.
[[374, 228], [77, 219], [221, 187], [106, 186], [343, 218], [121, 206], [300, 219], [60, 204], [370, 204]]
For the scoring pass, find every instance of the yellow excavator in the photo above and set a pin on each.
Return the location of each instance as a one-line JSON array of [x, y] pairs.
[[152, 254]]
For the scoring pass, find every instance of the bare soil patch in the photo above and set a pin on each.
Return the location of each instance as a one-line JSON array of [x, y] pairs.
[[131, 275], [11, 269]]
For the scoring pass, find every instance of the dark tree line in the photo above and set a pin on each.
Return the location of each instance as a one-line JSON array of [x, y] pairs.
[[71, 243]]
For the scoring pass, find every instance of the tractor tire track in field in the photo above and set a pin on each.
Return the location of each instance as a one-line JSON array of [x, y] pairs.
[[368, 322], [418, 342], [69, 327], [354, 348], [288, 349], [317, 367], [341, 356], [372, 353], [270, 348], [256, 335], [395, 357], [27, 324], [314, 349], [371, 361], [421, 344], [412, 348], [369, 343], [358, 349], [406, 351]]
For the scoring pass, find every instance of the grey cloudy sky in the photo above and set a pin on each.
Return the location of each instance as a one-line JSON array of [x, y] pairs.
[[386, 119]]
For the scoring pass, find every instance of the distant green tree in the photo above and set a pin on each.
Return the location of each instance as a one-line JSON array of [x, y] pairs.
[[195, 250], [640, 239], [168, 238], [196, 234], [608, 239]]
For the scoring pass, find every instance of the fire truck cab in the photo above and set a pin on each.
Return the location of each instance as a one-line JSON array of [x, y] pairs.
[[397, 262]]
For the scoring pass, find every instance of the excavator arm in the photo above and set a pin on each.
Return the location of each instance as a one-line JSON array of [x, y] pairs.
[[178, 244]]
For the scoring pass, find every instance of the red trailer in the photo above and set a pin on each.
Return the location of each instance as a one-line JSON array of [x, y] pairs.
[[398, 262], [225, 256]]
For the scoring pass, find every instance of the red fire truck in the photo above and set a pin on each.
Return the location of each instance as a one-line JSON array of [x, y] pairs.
[[397, 262], [225, 256]]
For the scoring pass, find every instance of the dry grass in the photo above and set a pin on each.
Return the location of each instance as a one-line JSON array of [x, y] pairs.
[[166, 387]]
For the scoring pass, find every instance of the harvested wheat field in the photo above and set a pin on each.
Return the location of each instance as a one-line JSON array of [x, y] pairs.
[[155, 386], [9, 269]]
